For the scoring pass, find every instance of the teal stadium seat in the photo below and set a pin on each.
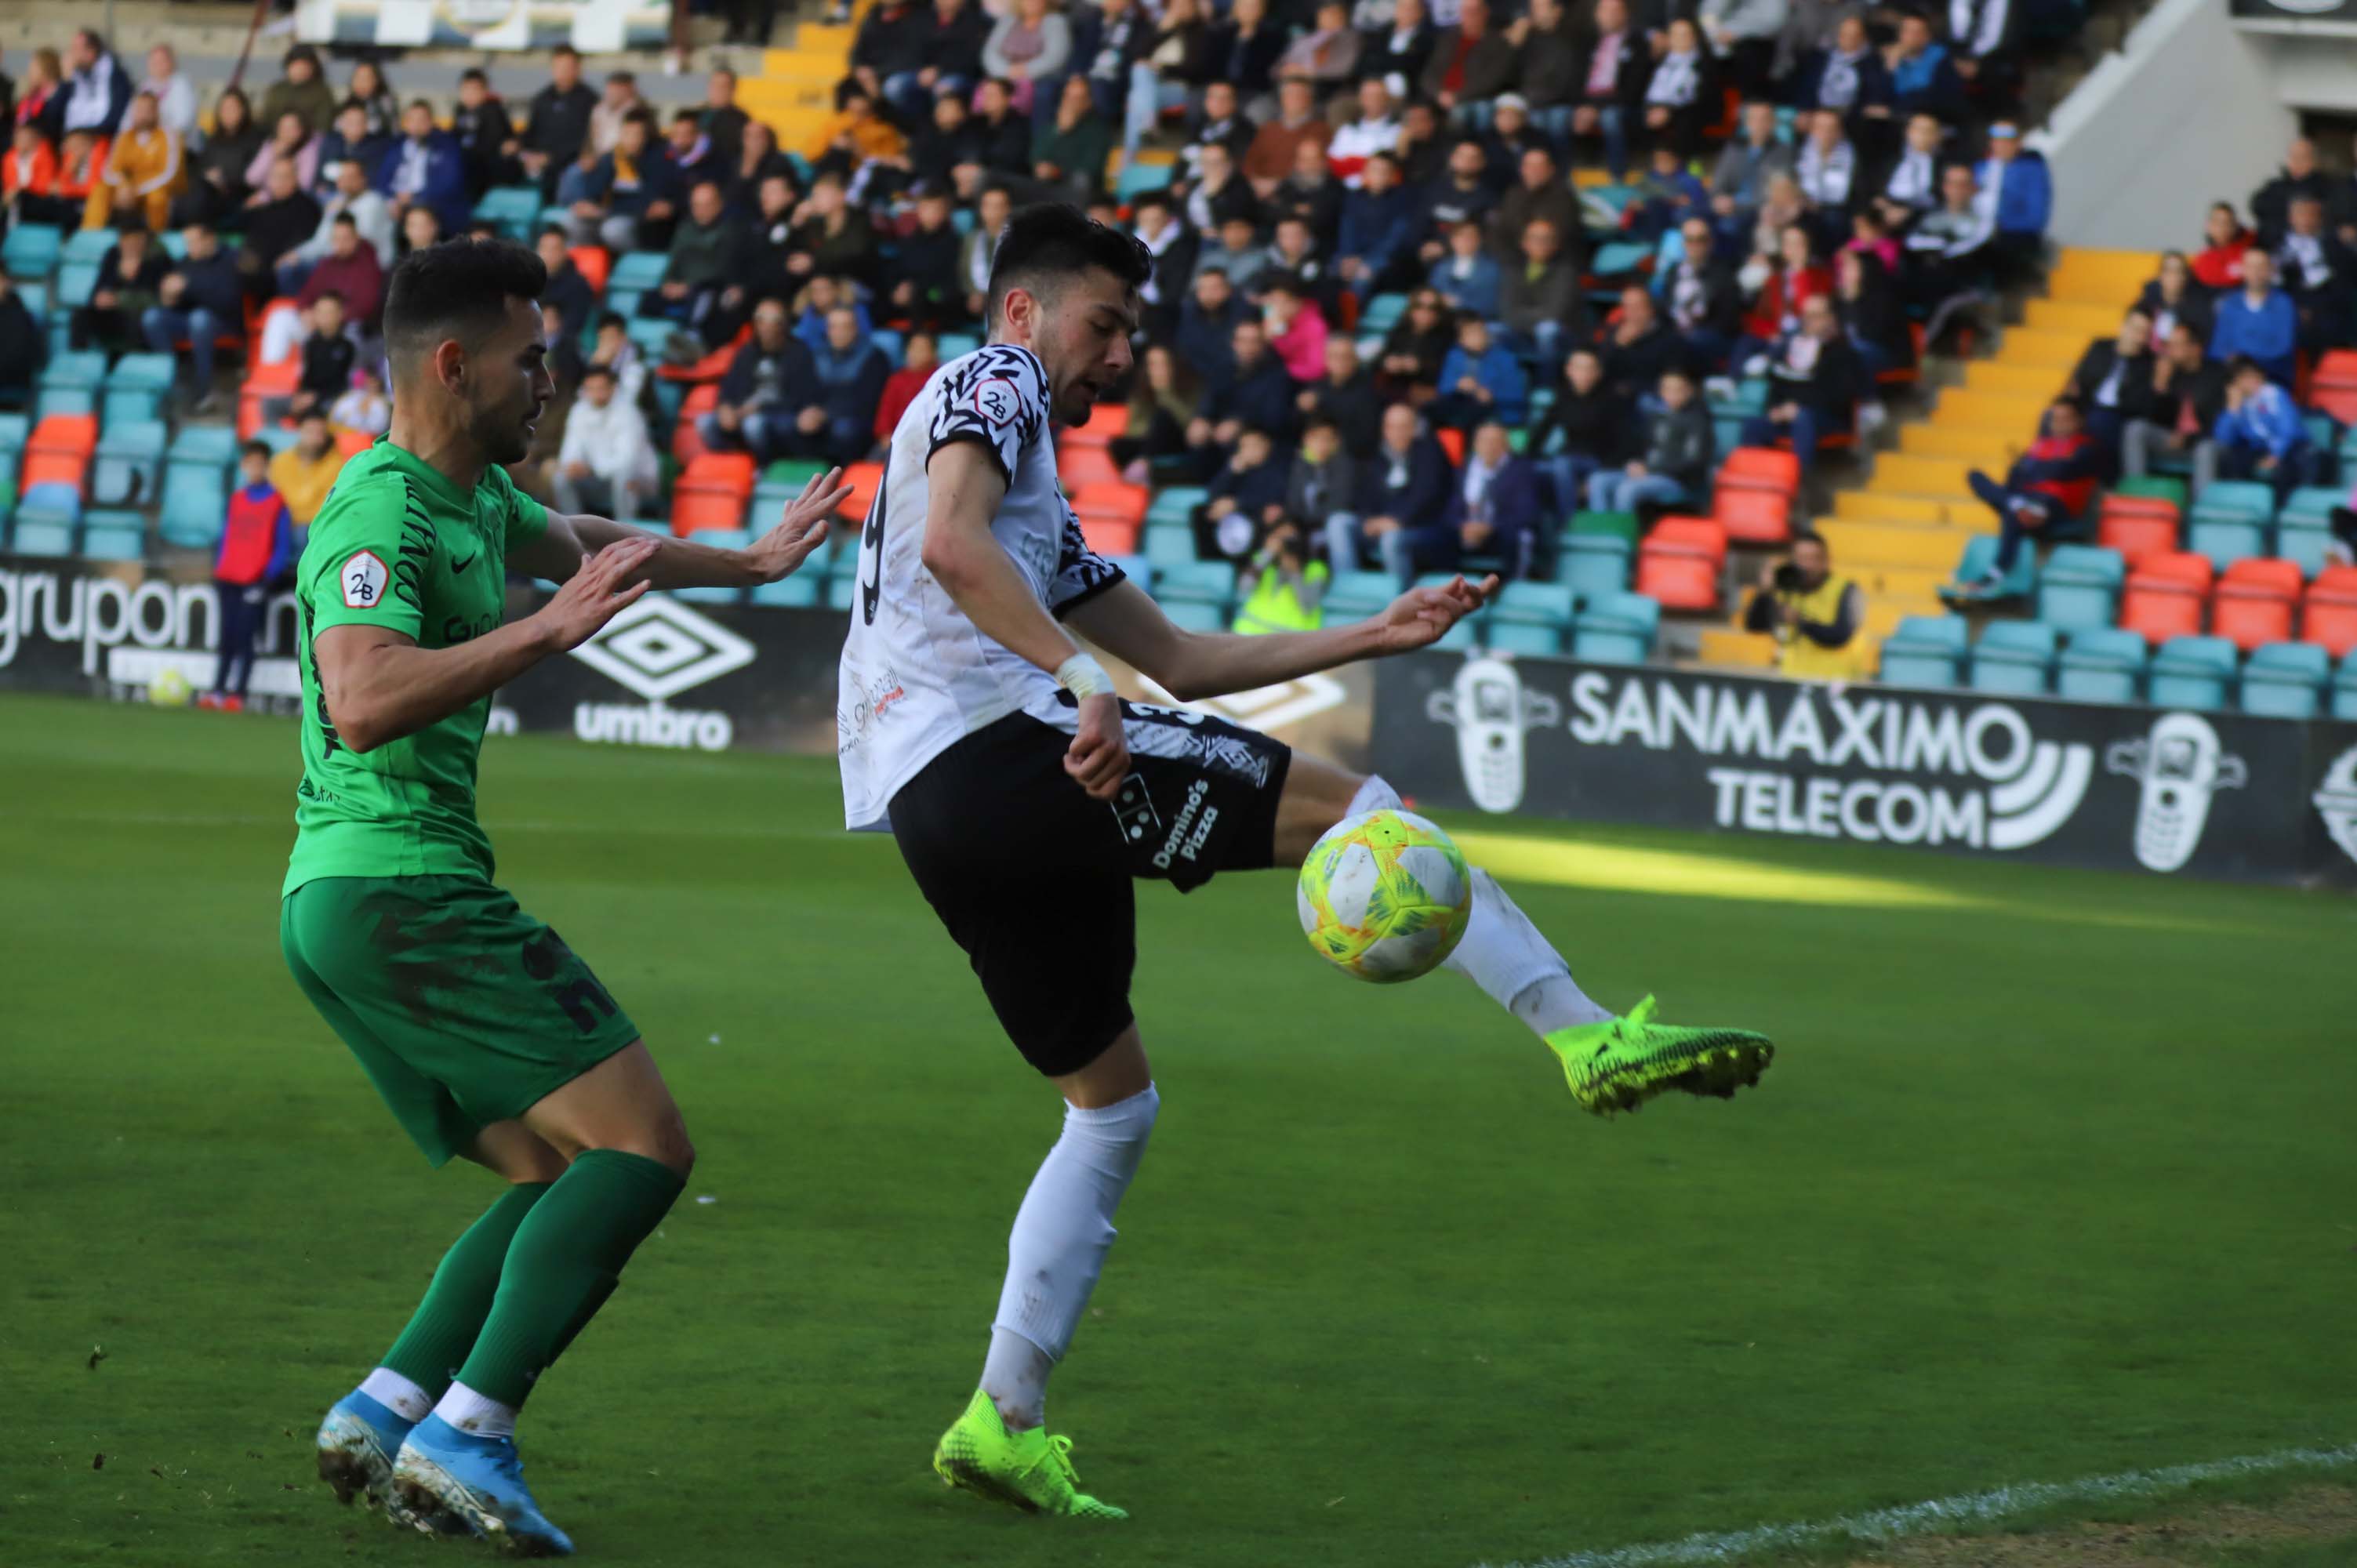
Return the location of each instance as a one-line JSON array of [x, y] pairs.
[[2192, 672], [1615, 626], [2081, 586], [1169, 545], [31, 250], [709, 595], [1534, 604], [638, 269], [842, 593], [2285, 680], [514, 208], [113, 536], [2101, 664], [1175, 504], [1924, 650], [1136, 568], [957, 345], [2014, 657], [2344, 688], [76, 281], [1593, 563], [86, 247], [196, 485], [1136, 180], [1382, 313], [799, 592], [1198, 581], [128, 462], [1525, 637], [1192, 615], [1355, 595], [1980, 554]]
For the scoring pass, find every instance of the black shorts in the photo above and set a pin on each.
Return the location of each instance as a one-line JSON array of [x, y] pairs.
[[1032, 877]]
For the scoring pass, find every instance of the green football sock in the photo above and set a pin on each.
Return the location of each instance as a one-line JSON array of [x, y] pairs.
[[446, 1322], [564, 1263]]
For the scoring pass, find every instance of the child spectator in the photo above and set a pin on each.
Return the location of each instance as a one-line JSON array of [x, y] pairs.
[[1479, 380], [2262, 436], [307, 471], [1679, 447], [1247, 495], [329, 354], [363, 407], [257, 544], [1296, 331]]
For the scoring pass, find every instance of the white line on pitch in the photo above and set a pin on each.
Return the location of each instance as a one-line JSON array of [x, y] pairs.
[[1945, 1513]]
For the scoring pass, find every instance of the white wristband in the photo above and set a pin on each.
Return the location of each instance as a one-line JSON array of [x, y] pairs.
[[1083, 677]]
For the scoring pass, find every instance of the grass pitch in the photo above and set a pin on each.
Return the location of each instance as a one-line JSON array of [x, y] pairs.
[[2051, 1178]]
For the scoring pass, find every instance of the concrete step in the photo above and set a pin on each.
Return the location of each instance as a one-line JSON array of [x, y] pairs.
[[1865, 506], [1961, 410], [2030, 345], [2088, 321], [1983, 448], [1939, 479], [1862, 547], [2040, 381], [1732, 648]]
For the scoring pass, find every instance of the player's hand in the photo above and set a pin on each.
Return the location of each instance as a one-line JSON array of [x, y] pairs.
[[1098, 759], [595, 594], [1422, 617], [800, 528]]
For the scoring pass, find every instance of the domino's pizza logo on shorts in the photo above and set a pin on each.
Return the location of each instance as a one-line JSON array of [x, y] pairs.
[[995, 400], [364, 577]]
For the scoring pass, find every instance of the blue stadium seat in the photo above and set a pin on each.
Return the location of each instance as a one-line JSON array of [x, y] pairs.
[[1980, 554], [2285, 680], [76, 281], [86, 247], [2102, 664], [1593, 564], [799, 591], [954, 345], [1924, 650], [1175, 504], [1615, 628], [514, 208], [1355, 595], [2226, 540], [1203, 582], [113, 536], [2344, 688], [2014, 657], [1522, 637], [842, 593], [2192, 672], [2081, 586], [129, 459], [1193, 615], [31, 250], [1169, 545]]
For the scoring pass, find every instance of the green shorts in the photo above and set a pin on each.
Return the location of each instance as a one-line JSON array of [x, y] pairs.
[[463, 1009]]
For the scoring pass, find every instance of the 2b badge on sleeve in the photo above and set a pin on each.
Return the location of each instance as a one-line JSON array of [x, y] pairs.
[[364, 578]]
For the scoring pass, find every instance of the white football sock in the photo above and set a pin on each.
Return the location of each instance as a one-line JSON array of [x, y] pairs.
[[469, 1412], [397, 1395], [1057, 1248], [1502, 951]]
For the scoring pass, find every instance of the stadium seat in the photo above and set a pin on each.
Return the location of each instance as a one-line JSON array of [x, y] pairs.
[[87, 246], [1105, 421], [1137, 179], [1194, 615], [2285, 680], [1382, 312], [2246, 500], [2192, 672], [2329, 616], [955, 345], [1679, 563], [1621, 525], [1980, 557], [1202, 582], [1136, 568], [59, 451], [799, 592], [703, 511], [1760, 469], [638, 271], [596, 266], [2312, 505], [2079, 586], [2343, 698], [2014, 657], [1534, 604], [2138, 526], [136, 387], [31, 250], [1109, 535], [1924, 650], [70, 384], [2254, 603], [1753, 517], [2226, 540], [1615, 628], [1354, 596], [2101, 664], [863, 479], [1168, 544], [76, 281], [514, 208], [130, 461], [1593, 563], [2306, 545], [708, 594], [842, 593], [42, 531], [1176, 504], [1520, 637], [1111, 500], [2166, 595], [113, 536], [1452, 442]]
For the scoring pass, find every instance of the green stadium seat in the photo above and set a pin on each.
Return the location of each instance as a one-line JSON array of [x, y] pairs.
[[2014, 657], [2192, 672], [1593, 563], [1615, 626], [1621, 525], [115, 536], [2081, 586], [1924, 650], [792, 472], [2101, 664], [2285, 680]]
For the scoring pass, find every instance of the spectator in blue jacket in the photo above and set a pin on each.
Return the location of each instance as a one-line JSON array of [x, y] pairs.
[[1206, 329], [1378, 228], [1403, 488], [852, 372], [1259, 396], [201, 298], [1491, 518], [426, 167], [350, 140], [1480, 380], [2021, 188], [1924, 80], [1467, 276], [2259, 322], [630, 197], [2260, 434]]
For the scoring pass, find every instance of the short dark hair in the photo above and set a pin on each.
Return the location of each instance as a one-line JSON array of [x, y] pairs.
[[1811, 536], [1317, 422], [2238, 367], [328, 294], [565, 50], [612, 319], [458, 289], [597, 368], [312, 412], [555, 228], [346, 220], [419, 103], [1054, 242], [260, 449], [474, 73]]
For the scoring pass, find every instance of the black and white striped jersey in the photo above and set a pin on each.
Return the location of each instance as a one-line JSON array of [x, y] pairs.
[[917, 675]]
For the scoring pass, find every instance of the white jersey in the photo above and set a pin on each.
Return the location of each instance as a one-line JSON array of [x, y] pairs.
[[918, 676]]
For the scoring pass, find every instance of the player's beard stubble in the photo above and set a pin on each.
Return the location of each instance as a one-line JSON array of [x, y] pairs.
[[504, 432]]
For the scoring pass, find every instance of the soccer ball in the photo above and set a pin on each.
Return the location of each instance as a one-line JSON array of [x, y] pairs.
[[1384, 896], [170, 689]]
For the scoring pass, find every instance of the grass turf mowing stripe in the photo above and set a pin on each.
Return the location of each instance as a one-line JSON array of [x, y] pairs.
[[1942, 1513]]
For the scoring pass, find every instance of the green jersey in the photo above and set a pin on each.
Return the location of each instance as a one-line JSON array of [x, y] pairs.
[[397, 545]]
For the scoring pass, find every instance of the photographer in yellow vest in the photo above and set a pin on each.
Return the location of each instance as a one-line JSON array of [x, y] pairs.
[[1814, 614]]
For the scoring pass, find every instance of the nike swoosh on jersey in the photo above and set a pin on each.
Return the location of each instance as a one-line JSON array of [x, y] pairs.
[[457, 566]]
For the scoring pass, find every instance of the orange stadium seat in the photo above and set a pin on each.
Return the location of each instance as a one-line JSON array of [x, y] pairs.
[[692, 512], [2329, 617], [2337, 368], [1753, 517], [1679, 563], [2340, 401], [686, 441], [2253, 602], [1109, 535], [1452, 441], [1106, 421], [1112, 500], [593, 264], [2138, 526], [58, 451], [1081, 466], [735, 472], [1760, 469], [863, 479], [2164, 595]]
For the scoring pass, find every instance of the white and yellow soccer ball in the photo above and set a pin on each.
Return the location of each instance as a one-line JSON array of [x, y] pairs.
[[1384, 896], [168, 689]]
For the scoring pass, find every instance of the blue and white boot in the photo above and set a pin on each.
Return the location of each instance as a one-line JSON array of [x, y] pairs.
[[357, 1443], [447, 1481]]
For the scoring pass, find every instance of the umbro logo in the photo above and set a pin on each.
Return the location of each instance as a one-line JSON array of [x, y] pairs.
[[659, 647]]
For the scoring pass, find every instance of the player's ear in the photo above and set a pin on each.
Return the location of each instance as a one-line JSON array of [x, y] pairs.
[[450, 364]]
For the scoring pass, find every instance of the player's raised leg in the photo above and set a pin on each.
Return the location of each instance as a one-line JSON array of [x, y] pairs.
[[1000, 1446], [630, 1158], [362, 1434], [1612, 1063]]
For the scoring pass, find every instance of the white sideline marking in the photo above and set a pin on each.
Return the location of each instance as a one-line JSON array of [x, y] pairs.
[[1943, 1513]]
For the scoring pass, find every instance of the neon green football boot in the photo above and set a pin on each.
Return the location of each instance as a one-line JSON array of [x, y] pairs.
[[1621, 1063], [1030, 1469]]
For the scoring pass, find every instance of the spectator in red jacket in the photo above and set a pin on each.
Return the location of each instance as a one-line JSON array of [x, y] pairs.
[[921, 357], [2047, 488], [351, 270], [2220, 263], [257, 545]]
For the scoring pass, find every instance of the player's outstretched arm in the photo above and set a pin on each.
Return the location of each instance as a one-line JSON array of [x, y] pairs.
[[1192, 665], [802, 529], [379, 685]]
